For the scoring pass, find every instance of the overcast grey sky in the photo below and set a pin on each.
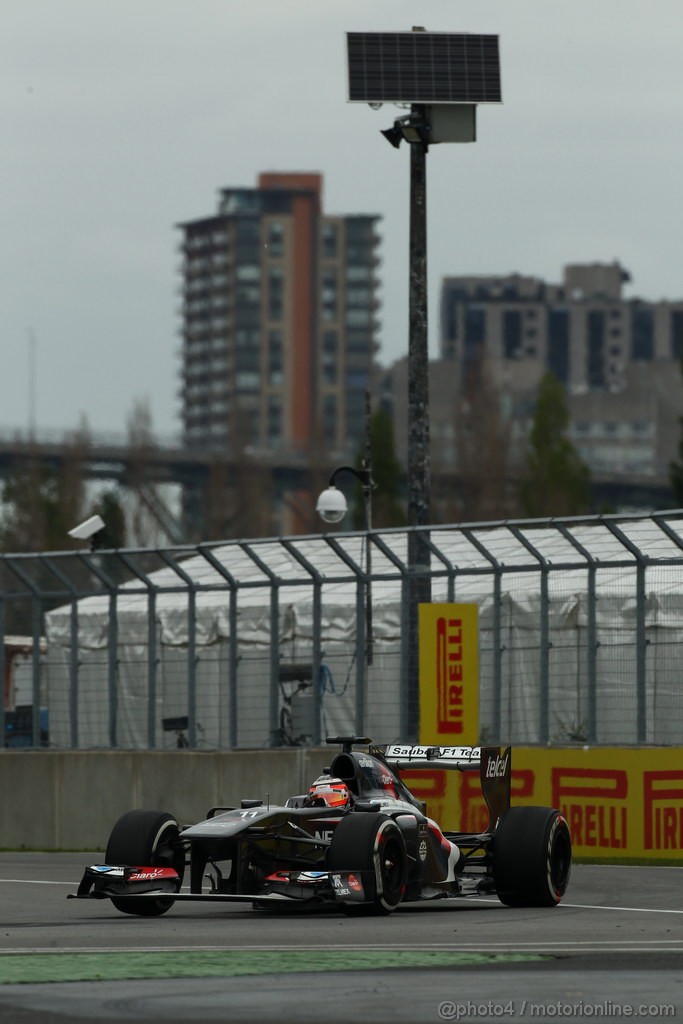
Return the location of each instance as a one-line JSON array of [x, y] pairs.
[[118, 121]]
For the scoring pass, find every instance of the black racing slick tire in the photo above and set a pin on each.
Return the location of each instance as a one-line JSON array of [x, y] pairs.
[[532, 857], [374, 844], [145, 839]]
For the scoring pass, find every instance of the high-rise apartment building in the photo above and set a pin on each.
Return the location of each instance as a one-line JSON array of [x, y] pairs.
[[279, 321]]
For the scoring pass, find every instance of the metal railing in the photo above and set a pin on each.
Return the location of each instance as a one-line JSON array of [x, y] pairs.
[[264, 642]]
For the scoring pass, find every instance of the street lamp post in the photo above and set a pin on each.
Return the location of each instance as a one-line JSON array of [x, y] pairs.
[[332, 507], [443, 76], [415, 129]]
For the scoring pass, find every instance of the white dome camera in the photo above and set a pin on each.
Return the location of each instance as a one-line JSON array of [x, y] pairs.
[[331, 505]]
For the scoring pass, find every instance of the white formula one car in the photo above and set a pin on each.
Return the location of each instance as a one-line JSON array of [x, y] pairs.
[[358, 839]]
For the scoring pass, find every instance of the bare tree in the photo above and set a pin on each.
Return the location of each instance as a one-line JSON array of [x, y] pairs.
[[480, 488], [43, 500], [150, 517]]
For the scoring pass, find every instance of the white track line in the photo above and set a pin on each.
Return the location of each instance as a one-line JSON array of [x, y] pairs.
[[594, 906], [623, 946], [633, 910], [35, 881], [567, 906]]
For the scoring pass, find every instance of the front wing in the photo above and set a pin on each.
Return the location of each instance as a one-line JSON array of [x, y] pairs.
[[104, 881]]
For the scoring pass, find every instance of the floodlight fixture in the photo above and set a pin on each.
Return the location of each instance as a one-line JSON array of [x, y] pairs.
[[393, 135], [416, 133], [414, 128], [427, 125]]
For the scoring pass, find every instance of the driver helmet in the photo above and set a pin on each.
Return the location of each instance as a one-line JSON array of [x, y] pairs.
[[328, 792]]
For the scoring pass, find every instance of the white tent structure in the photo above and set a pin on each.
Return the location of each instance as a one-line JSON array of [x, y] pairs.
[[581, 624]]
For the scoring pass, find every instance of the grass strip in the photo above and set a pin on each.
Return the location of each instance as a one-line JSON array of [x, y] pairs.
[[52, 967]]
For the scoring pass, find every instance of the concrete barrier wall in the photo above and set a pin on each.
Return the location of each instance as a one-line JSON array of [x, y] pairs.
[[54, 800], [619, 802]]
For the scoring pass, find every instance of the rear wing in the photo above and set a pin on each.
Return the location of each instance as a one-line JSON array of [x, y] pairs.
[[401, 755], [494, 765]]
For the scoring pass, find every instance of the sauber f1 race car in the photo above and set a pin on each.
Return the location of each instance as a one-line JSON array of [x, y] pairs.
[[359, 840]]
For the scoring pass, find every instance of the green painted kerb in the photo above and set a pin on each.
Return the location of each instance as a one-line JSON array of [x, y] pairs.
[[42, 967]]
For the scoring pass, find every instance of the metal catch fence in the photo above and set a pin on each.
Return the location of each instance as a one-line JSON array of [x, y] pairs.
[[279, 642]]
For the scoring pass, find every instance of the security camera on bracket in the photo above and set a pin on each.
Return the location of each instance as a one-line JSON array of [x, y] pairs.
[[88, 530]]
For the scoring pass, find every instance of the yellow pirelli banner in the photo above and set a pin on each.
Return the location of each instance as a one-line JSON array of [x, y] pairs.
[[619, 802], [449, 674]]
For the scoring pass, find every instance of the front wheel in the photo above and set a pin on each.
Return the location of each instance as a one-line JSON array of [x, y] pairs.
[[532, 856], [373, 844], [145, 839]]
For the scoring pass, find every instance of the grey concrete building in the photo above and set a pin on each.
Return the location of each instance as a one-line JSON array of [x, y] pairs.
[[584, 330], [618, 357]]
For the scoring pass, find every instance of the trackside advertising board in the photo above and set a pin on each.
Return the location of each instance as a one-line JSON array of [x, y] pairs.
[[619, 802], [449, 674]]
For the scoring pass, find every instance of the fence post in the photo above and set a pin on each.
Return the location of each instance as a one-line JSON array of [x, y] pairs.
[[275, 738], [641, 636], [591, 635], [497, 716], [92, 563], [73, 650], [152, 655], [406, 716], [191, 646], [3, 662], [316, 642], [36, 632], [362, 582], [233, 659], [544, 664]]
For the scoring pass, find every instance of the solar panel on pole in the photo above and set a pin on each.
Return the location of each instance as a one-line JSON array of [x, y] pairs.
[[423, 67]]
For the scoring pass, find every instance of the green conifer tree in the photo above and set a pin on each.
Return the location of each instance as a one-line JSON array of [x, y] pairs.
[[388, 507], [556, 481]]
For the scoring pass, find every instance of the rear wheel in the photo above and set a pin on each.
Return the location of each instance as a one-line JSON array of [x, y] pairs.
[[532, 856], [373, 844], [145, 839]]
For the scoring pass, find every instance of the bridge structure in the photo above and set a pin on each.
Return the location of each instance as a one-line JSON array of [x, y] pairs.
[[146, 468], [165, 461]]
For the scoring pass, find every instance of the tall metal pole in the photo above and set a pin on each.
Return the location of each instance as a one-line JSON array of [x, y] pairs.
[[419, 490], [467, 73], [31, 385], [418, 366], [367, 499], [364, 477]]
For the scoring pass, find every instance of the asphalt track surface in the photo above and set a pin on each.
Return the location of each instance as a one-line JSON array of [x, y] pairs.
[[613, 949]]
